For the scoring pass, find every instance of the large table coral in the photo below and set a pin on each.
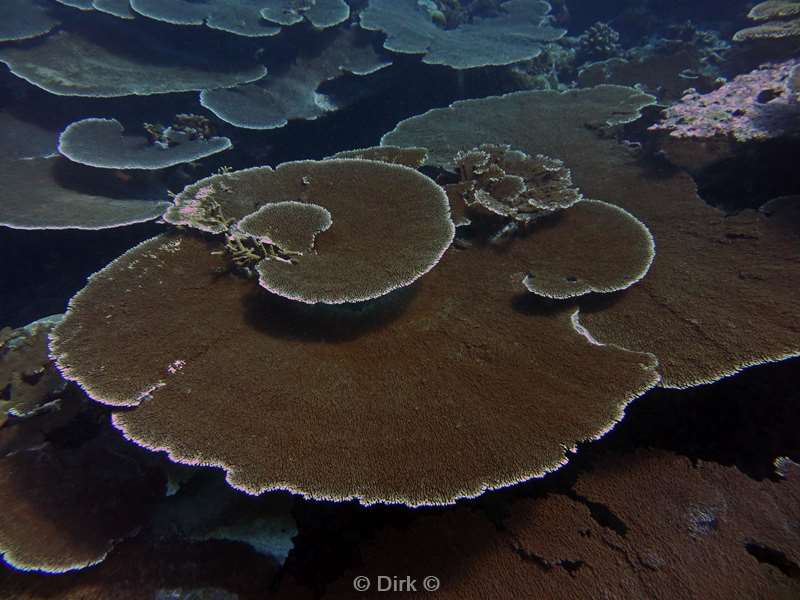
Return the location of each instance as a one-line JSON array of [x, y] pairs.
[[458, 384], [515, 34], [719, 296]]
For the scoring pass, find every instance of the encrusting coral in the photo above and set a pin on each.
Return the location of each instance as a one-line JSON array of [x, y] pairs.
[[758, 105]]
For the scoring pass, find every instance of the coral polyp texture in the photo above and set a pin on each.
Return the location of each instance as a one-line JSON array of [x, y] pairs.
[[51, 193], [780, 19], [391, 224], [250, 18], [516, 33], [24, 19], [66, 508], [290, 93], [593, 247], [410, 157], [134, 63], [290, 225], [102, 143], [711, 273], [758, 105]]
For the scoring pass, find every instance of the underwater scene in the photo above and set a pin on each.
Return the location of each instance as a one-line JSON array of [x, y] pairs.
[[339, 299]]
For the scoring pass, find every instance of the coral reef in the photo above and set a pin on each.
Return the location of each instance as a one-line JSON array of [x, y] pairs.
[[644, 525], [409, 157], [28, 380], [45, 193], [694, 310], [599, 42], [101, 143], [782, 20], [291, 92], [254, 18], [24, 19], [64, 509], [72, 64], [391, 225], [755, 106], [515, 34]]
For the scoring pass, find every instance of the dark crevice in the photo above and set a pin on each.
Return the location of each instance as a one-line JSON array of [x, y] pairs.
[[535, 559], [776, 558], [602, 514]]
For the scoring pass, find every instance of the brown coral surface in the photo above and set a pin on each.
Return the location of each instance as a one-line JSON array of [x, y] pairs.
[[720, 294], [436, 392], [390, 224], [591, 247], [646, 525], [64, 509]]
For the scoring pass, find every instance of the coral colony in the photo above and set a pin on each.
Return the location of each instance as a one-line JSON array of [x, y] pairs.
[[399, 295]]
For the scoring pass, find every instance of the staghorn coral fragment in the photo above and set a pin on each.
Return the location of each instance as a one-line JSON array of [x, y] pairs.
[[714, 301], [593, 247], [28, 379], [66, 508], [353, 425], [101, 143], [644, 525], [515, 34], [133, 63], [409, 157], [291, 92], [42, 193], [391, 224], [290, 225], [24, 19]]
